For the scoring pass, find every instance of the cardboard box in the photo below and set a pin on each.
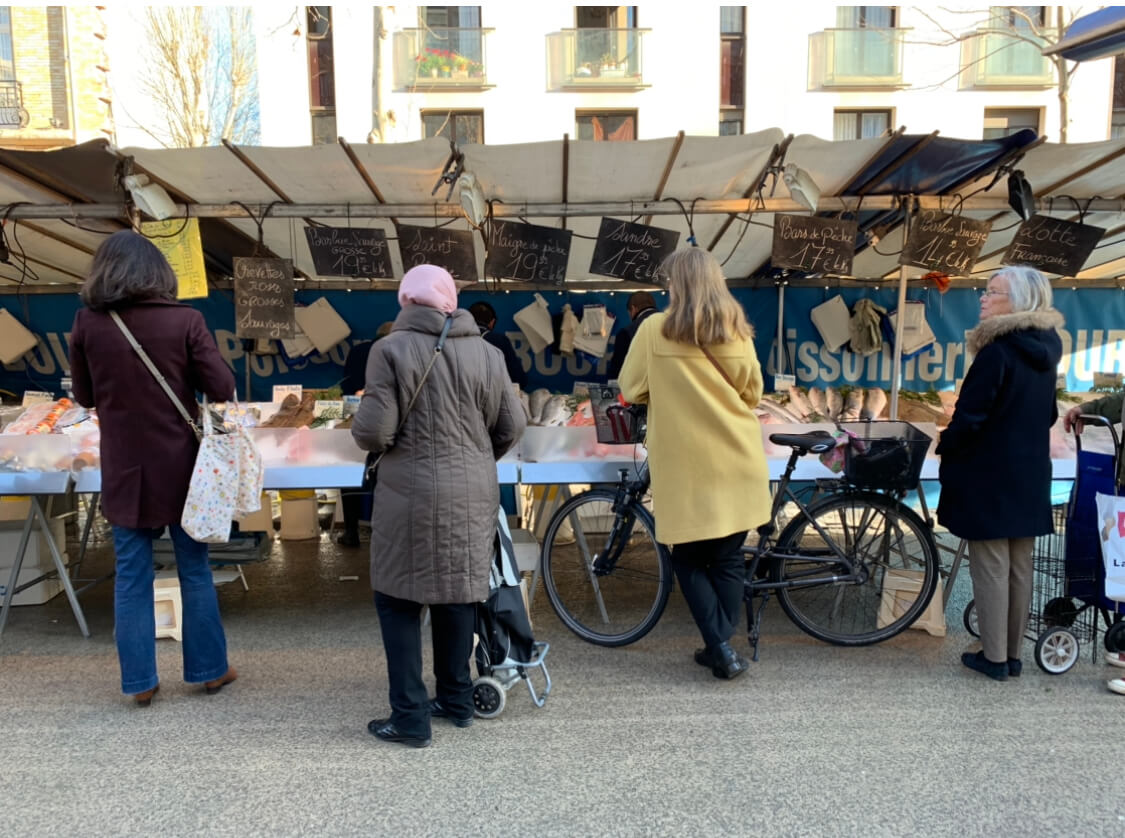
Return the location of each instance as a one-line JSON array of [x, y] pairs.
[[38, 593], [900, 588], [15, 340], [321, 324], [299, 519], [14, 507]]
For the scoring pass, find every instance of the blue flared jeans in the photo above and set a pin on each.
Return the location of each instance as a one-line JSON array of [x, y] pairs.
[[204, 643]]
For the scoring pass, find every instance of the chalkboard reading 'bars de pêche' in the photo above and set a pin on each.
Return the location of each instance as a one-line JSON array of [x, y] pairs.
[[631, 251], [943, 242], [350, 251], [449, 249], [1053, 245], [263, 298], [527, 252], [813, 245]]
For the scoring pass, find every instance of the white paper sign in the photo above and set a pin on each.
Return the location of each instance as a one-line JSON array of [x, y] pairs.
[[329, 408], [280, 391], [31, 397]]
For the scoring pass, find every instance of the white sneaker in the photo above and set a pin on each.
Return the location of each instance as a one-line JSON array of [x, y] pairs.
[[1115, 659], [1117, 685]]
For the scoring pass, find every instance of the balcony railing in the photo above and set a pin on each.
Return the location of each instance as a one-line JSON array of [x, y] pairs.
[[996, 59], [860, 58], [441, 58], [595, 58], [12, 113]]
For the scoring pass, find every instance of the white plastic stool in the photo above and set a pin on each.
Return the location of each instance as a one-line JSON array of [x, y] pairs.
[[169, 608]]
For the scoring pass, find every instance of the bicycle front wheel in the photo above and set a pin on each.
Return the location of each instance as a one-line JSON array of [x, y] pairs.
[[891, 552], [606, 576]]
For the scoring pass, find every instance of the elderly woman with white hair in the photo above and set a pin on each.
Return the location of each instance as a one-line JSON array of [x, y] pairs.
[[995, 458]]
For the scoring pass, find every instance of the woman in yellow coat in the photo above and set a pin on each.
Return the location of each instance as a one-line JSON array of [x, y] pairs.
[[695, 367]]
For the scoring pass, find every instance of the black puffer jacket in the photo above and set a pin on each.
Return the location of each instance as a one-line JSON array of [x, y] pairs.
[[995, 455]]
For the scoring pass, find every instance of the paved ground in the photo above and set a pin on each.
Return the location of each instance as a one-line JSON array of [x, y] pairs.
[[891, 740]]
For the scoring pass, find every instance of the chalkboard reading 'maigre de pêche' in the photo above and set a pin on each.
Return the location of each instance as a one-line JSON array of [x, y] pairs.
[[263, 298], [449, 249], [1053, 245], [350, 251], [813, 245], [527, 252], [631, 251], [943, 242]]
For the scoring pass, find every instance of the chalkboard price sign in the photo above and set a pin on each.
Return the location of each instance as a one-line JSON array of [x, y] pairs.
[[350, 251], [813, 245], [1053, 245], [263, 298], [449, 249], [943, 242], [631, 251], [527, 253]]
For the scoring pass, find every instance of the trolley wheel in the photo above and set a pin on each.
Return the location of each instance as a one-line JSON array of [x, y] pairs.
[[1056, 650], [488, 697], [972, 626], [1115, 638], [1060, 611]]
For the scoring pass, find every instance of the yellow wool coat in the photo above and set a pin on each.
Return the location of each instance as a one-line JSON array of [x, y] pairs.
[[709, 472]]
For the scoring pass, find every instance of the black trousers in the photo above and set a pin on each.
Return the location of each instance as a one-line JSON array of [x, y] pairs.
[[452, 630], [712, 575], [352, 502]]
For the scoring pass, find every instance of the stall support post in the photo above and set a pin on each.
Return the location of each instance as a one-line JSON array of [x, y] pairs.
[[780, 365], [900, 319]]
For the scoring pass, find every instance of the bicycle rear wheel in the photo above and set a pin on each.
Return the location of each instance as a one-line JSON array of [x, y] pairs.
[[890, 548], [609, 581]]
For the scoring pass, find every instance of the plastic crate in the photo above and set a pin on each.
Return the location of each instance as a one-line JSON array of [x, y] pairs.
[[886, 455]]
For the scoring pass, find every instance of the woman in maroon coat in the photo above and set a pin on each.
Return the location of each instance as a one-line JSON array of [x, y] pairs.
[[148, 449]]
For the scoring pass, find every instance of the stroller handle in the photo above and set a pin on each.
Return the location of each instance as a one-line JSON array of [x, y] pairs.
[[1094, 419]]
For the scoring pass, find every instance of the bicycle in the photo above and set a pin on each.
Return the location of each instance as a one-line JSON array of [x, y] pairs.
[[854, 566]]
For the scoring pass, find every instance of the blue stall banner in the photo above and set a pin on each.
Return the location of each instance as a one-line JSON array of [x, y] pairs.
[[1091, 341]]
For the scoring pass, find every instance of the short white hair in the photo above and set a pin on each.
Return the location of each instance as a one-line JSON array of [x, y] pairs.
[[1028, 289]]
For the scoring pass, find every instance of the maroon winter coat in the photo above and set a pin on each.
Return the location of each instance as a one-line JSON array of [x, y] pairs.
[[148, 450]]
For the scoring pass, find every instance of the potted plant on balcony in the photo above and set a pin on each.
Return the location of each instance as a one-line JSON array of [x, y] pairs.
[[460, 67], [428, 64], [610, 68], [476, 70]]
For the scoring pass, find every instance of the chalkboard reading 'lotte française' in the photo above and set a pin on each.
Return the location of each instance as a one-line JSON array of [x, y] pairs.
[[449, 249], [632, 251], [813, 245], [350, 251], [263, 298], [527, 252], [943, 242], [1053, 245]]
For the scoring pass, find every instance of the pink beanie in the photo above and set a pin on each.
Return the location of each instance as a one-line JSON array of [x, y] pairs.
[[428, 285]]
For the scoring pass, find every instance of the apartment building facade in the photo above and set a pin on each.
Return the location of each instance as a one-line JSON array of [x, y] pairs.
[[53, 76]]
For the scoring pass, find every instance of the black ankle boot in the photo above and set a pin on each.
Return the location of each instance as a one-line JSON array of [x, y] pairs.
[[977, 661], [727, 663]]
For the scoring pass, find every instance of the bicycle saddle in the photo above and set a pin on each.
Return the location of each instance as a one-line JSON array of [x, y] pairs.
[[815, 441]]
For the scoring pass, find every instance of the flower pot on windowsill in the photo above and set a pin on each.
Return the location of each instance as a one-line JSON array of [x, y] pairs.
[[613, 72], [433, 73], [461, 74]]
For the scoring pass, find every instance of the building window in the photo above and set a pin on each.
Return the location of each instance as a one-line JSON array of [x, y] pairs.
[[866, 17], [732, 68], [459, 126], [322, 74], [454, 28], [615, 126], [1003, 122], [1117, 125], [1017, 17], [861, 124], [603, 39], [7, 61]]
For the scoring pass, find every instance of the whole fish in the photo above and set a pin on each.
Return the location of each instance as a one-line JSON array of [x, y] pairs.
[[537, 400], [874, 400], [835, 403], [817, 401], [554, 412], [853, 404], [799, 403]]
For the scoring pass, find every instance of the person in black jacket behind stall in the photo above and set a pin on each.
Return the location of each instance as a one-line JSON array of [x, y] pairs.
[[485, 315], [641, 306], [995, 458]]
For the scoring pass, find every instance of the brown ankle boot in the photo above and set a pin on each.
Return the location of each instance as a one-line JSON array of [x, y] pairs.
[[213, 687], [145, 699]]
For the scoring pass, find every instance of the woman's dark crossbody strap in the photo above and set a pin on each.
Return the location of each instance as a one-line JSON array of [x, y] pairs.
[[722, 371]]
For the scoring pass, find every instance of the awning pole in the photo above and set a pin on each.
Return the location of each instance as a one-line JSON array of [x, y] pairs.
[[900, 315], [780, 365]]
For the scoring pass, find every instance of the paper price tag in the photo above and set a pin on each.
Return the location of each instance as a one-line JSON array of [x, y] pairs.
[[351, 405], [328, 408], [280, 391], [31, 397], [782, 383]]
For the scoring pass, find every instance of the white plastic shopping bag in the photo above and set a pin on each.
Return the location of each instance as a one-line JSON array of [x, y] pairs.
[[1111, 531], [226, 482]]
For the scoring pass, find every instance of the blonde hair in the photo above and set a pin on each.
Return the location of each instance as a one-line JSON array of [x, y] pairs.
[[701, 309]]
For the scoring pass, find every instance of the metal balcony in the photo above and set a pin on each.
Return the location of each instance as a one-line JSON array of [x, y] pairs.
[[856, 58], [12, 113], [592, 59], [995, 59], [441, 58]]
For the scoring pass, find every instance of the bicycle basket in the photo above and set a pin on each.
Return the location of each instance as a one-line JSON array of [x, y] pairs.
[[885, 455]]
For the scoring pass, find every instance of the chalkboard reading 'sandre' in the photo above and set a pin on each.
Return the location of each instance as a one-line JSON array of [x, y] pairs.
[[631, 251]]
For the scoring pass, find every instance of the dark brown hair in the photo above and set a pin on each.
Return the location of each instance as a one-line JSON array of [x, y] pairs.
[[127, 269]]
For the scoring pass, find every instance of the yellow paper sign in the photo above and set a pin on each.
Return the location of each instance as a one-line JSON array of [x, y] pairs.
[[182, 247]]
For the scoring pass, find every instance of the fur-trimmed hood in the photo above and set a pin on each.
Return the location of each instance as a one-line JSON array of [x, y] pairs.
[[1031, 333]]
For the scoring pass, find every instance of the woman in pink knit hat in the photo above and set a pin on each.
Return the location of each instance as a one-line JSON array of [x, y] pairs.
[[438, 404]]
